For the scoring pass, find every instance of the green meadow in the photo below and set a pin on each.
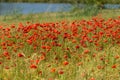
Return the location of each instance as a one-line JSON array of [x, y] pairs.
[[76, 45]]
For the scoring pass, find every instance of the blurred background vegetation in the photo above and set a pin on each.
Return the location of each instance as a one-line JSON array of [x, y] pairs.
[[98, 3], [92, 8], [68, 1]]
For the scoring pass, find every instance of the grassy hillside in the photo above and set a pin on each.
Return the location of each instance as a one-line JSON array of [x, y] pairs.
[[48, 17], [60, 46]]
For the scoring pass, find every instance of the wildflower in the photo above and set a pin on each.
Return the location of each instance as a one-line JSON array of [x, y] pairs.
[[94, 55], [6, 54], [20, 55], [33, 66], [114, 66], [37, 61], [43, 47], [12, 26], [48, 65], [53, 70], [42, 57], [40, 72], [6, 67], [74, 41], [99, 67], [105, 41], [29, 41], [65, 56], [80, 63], [92, 78], [117, 56], [86, 51], [50, 79], [61, 72], [65, 63], [77, 46]]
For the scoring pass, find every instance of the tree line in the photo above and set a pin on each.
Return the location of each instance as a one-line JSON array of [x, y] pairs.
[[68, 1]]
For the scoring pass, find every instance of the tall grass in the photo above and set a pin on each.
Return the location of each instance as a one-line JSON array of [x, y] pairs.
[[48, 17], [60, 49]]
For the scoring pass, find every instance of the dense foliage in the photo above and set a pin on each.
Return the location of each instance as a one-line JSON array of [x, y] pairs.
[[68, 1]]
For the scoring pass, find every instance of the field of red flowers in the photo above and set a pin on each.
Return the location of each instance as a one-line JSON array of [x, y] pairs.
[[66, 50]]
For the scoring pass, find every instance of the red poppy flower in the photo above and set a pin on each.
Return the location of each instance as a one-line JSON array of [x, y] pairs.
[[20, 55], [61, 72], [114, 66], [53, 70], [33, 66], [77, 46], [86, 51], [6, 54], [92, 78], [65, 63]]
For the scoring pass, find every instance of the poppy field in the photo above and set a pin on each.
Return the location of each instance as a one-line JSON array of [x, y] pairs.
[[63, 50]]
